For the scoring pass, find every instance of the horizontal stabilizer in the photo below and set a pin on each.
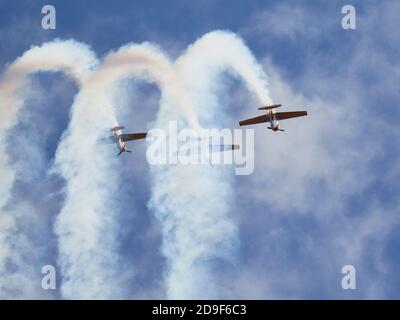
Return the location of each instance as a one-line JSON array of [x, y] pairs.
[[117, 128], [270, 107]]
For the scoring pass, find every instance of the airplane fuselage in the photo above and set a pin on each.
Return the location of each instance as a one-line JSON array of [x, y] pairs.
[[120, 144], [274, 122]]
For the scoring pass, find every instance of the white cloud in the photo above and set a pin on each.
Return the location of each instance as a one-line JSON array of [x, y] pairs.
[[312, 173]]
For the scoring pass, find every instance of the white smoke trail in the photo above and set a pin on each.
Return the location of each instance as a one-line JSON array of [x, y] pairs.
[[193, 202], [86, 226], [53, 56], [220, 51], [196, 226]]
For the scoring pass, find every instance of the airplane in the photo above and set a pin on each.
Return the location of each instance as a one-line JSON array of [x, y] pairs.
[[223, 147], [273, 117], [120, 138]]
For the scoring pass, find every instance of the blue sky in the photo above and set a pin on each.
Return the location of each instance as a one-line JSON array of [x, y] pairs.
[[323, 195]]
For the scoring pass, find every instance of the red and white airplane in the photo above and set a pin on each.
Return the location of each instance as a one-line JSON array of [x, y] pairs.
[[120, 138], [273, 117]]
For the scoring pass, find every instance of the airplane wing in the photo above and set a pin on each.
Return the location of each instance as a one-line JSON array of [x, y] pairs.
[[223, 147], [259, 119], [132, 136], [288, 115]]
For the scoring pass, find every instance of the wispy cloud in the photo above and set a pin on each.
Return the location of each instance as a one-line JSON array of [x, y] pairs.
[[317, 190]]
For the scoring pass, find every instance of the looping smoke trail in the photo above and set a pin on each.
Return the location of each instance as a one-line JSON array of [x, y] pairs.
[[193, 202], [53, 56], [196, 227], [86, 226], [220, 51]]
